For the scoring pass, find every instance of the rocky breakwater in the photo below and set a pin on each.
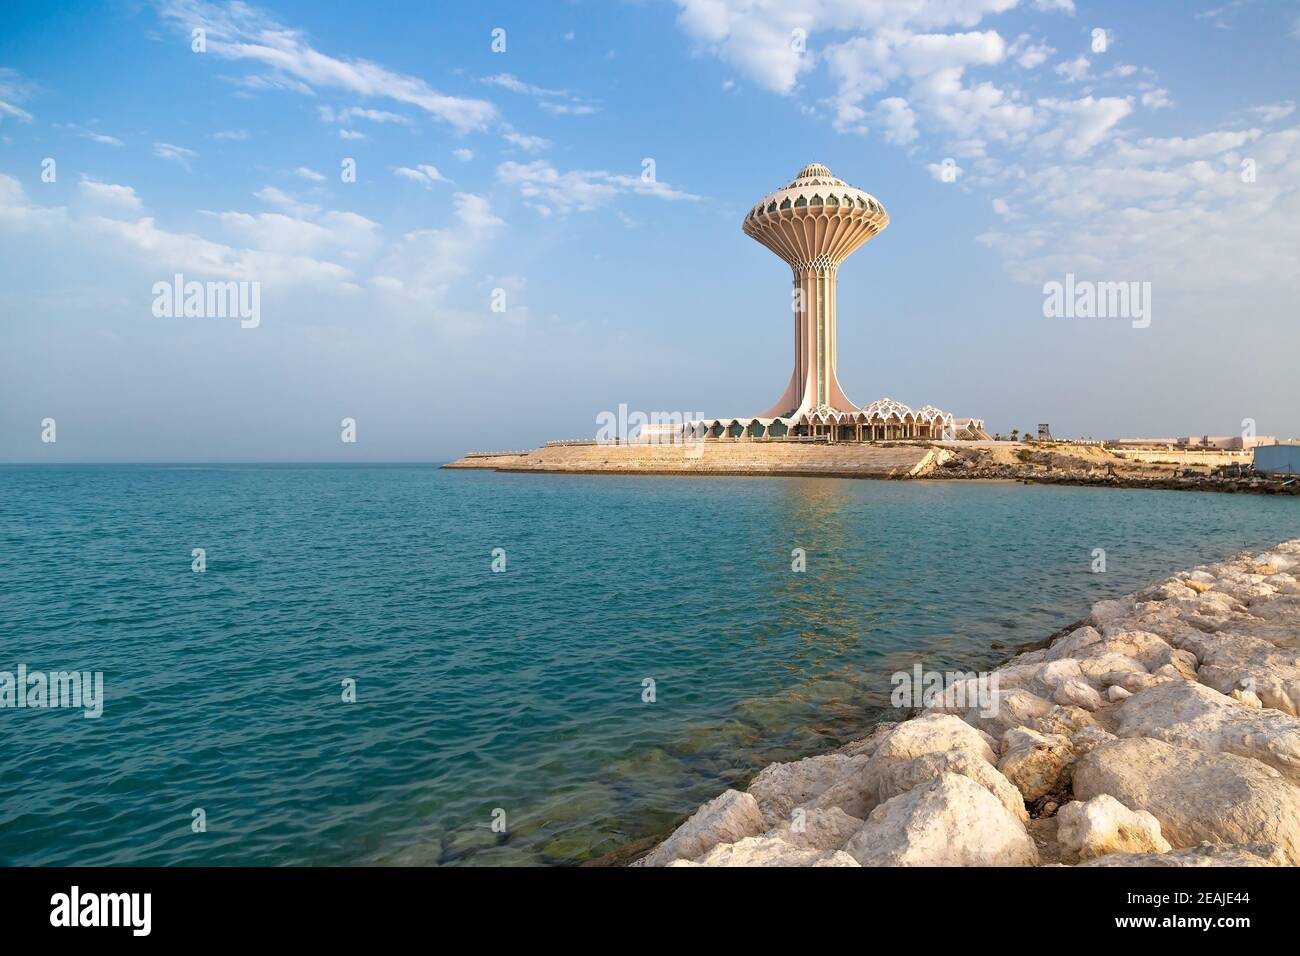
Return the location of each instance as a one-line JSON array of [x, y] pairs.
[[1164, 732]]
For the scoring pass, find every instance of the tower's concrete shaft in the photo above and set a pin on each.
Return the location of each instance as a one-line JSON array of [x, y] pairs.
[[814, 223]]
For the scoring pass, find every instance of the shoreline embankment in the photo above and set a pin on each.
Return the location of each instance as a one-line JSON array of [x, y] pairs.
[[1164, 730], [1029, 463]]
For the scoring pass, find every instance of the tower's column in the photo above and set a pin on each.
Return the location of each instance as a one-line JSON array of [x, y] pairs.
[[815, 337]]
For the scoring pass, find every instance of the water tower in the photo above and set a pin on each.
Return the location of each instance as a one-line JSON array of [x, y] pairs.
[[814, 223]]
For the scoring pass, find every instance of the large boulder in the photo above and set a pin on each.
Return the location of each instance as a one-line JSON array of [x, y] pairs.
[[1196, 796], [1193, 715], [724, 819], [933, 733], [1207, 854], [823, 830], [1149, 650], [891, 778], [1230, 660], [952, 821], [780, 787], [1071, 644], [769, 851], [1077, 693], [1015, 708], [1104, 825]]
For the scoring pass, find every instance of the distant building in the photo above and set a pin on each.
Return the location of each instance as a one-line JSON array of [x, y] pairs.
[[1193, 443]]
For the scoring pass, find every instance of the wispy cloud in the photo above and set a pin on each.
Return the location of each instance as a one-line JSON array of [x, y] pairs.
[[174, 154], [243, 33], [553, 101], [423, 173], [546, 189], [529, 144], [13, 90]]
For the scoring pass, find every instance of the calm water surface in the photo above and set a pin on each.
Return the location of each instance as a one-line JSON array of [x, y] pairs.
[[519, 690]]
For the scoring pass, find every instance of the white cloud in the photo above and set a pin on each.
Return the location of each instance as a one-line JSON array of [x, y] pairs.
[[1173, 211], [464, 155], [583, 190], [1083, 122], [945, 172], [304, 172], [424, 263], [231, 135], [424, 174], [351, 134], [102, 138], [158, 252], [1272, 112], [345, 234], [898, 119], [529, 144], [242, 33], [279, 198], [758, 36], [330, 115], [109, 194], [1156, 99], [1074, 71], [1029, 54], [174, 154], [13, 90]]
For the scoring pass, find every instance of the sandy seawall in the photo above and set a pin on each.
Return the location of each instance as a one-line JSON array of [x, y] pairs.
[[1163, 732], [720, 458]]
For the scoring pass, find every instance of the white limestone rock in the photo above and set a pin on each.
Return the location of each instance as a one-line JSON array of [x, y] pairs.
[[1193, 715], [1272, 673], [1072, 643], [933, 733], [1116, 693], [895, 777], [1196, 796], [1015, 708], [1207, 854], [1065, 721], [1100, 669], [823, 830], [780, 787], [1077, 693], [1037, 764], [952, 821], [1104, 825], [1148, 649], [765, 851], [728, 818], [1111, 612]]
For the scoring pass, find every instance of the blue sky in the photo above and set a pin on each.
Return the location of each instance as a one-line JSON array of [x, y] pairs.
[[522, 171]]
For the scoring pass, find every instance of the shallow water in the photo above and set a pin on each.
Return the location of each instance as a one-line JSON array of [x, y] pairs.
[[519, 691]]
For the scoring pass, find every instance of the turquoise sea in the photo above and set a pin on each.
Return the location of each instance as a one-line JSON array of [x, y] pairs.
[[519, 691]]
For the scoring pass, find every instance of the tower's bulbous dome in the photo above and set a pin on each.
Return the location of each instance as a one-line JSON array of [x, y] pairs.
[[815, 218]]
